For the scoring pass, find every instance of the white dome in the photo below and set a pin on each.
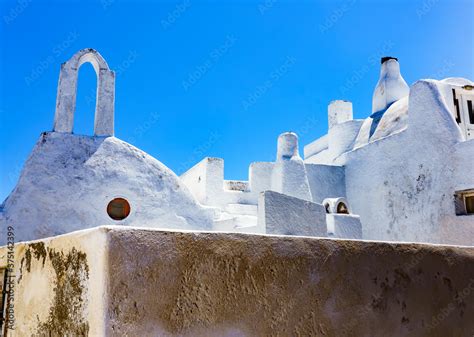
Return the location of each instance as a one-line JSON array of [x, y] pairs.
[[69, 180], [394, 120]]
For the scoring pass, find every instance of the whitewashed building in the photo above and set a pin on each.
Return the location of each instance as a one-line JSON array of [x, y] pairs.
[[405, 173]]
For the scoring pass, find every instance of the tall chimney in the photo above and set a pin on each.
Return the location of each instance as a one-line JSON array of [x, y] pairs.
[[287, 148], [391, 85], [338, 112]]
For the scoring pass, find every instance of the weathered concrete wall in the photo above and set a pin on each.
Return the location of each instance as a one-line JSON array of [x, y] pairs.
[[118, 281], [60, 285]]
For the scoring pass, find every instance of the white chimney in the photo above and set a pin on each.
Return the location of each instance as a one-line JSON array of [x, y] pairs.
[[391, 85], [338, 112], [287, 148]]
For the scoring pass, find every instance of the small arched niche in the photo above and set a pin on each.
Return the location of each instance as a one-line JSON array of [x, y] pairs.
[[342, 208]]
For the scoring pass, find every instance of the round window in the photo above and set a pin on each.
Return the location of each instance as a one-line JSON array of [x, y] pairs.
[[118, 209]]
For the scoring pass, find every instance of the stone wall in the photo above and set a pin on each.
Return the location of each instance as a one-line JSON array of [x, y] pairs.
[[121, 281]]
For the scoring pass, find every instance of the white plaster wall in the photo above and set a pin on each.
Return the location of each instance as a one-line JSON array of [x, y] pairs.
[[339, 111], [68, 181], [326, 181], [260, 176], [457, 229], [342, 137], [344, 226], [323, 157], [289, 177], [285, 215], [206, 181], [391, 86], [394, 120], [316, 146], [196, 180], [402, 186], [233, 201]]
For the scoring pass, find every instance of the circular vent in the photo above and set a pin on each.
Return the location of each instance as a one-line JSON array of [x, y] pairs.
[[118, 209]]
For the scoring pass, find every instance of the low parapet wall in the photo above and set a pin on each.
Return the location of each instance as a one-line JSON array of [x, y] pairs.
[[126, 281]]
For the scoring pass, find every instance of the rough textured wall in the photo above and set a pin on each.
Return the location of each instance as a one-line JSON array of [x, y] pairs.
[[214, 284], [284, 215], [68, 181], [118, 281], [326, 181], [59, 285], [403, 186]]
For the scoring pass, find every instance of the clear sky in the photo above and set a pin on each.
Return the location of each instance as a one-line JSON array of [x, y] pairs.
[[216, 78]]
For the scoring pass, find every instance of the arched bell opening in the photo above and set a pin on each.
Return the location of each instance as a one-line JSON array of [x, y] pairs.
[[67, 91]]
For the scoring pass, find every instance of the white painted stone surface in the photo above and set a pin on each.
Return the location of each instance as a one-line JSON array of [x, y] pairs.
[[260, 176], [67, 89], [331, 204], [402, 185], [235, 202], [344, 226], [285, 215], [289, 173], [317, 146], [68, 181], [339, 112], [326, 181], [391, 86], [398, 170], [394, 120], [341, 137], [400, 177]]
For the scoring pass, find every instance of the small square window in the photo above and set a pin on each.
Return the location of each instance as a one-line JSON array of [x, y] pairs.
[[464, 202], [469, 201]]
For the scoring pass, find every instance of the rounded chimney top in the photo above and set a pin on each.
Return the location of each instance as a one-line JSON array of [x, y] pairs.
[[287, 148], [386, 58]]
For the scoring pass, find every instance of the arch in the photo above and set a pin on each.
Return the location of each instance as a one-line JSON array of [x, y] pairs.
[[67, 89], [336, 206], [342, 208]]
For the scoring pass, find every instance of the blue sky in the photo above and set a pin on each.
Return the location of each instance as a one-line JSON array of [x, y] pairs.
[[213, 78]]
